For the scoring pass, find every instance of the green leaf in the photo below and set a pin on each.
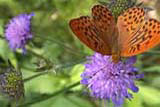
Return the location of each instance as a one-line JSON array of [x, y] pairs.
[[155, 68], [6, 53], [76, 72], [65, 101], [135, 102], [149, 95]]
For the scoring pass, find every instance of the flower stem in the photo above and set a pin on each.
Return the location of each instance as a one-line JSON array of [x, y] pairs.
[[37, 55], [56, 68], [34, 76], [44, 97]]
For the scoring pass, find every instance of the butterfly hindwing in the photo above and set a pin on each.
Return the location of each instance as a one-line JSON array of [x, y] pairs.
[[85, 29]]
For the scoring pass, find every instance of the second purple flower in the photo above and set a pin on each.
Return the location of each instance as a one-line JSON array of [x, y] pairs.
[[18, 31]]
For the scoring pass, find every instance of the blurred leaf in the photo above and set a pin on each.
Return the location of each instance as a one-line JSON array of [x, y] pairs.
[[155, 68], [150, 95], [1, 28], [54, 51], [135, 102], [76, 74], [6, 53], [67, 100], [42, 84]]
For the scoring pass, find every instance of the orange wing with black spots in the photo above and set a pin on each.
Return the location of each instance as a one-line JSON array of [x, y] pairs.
[[86, 31], [105, 23], [128, 23], [137, 34], [145, 38], [131, 19], [96, 31]]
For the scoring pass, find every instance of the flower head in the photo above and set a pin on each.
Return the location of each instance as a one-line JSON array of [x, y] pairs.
[[107, 80], [119, 6], [18, 31], [11, 84]]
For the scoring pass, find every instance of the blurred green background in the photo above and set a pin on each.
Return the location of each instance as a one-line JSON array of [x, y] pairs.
[[54, 60]]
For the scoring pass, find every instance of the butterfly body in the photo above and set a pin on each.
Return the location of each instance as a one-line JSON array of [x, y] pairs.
[[133, 33]]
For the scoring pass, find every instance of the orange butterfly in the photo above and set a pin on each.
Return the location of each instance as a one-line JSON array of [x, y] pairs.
[[133, 34]]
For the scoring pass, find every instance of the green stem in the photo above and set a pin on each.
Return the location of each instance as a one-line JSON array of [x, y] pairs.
[[36, 54], [46, 97], [35, 76], [57, 68]]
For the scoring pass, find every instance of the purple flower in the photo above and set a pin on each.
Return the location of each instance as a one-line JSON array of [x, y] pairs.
[[18, 31], [110, 81]]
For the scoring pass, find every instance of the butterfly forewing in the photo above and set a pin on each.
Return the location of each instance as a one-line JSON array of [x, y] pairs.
[[131, 20], [145, 38], [96, 31], [128, 23], [137, 34], [105, 23], [84, 28]]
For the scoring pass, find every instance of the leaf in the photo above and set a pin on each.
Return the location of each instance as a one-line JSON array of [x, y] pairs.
[[149, 95], [6, 53], [155, 68], [76, 72], [135, 102], [43, 84], [64, 101]]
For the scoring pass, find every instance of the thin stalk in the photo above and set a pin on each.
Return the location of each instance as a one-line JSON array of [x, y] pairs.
[[56, 68], [35, 76], [46, 97], [37, 55]]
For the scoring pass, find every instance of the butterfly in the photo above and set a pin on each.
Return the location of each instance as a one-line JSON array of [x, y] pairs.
[[132, 34]]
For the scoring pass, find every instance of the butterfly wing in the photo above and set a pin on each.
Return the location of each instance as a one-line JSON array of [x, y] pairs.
[[105, 23], [128, 23], [136, 33], [86, 31], [96, 31]]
